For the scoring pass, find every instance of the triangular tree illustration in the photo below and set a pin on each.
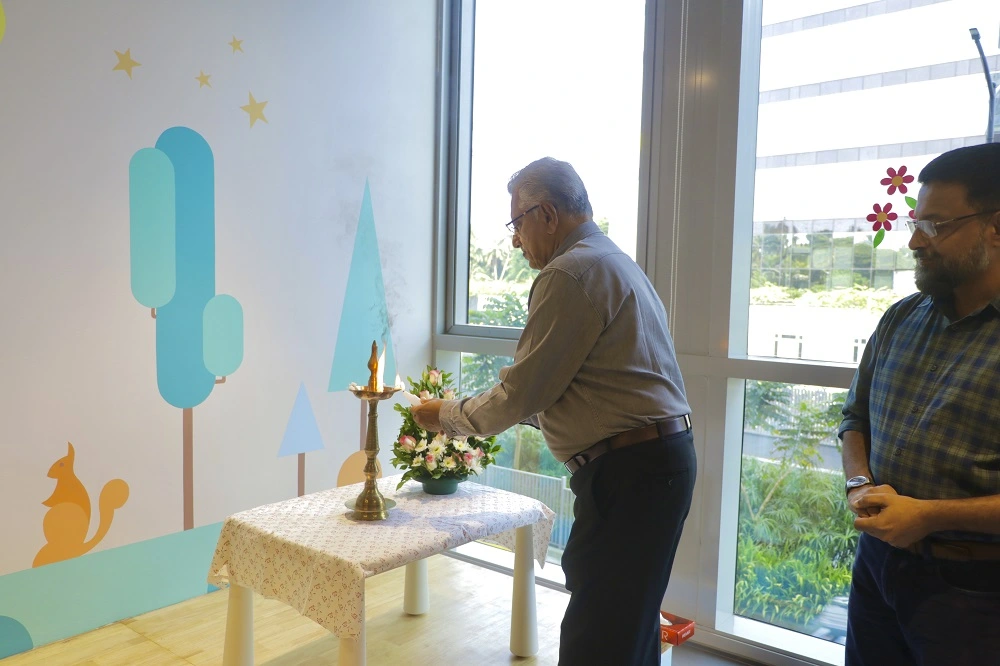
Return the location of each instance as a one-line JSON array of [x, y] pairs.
[[301, 434], [365, 316]]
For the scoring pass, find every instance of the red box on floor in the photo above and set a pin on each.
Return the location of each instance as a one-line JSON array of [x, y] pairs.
[[674, 629]]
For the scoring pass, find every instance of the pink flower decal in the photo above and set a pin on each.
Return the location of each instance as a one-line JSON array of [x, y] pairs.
[[897, 180], [882, 217]]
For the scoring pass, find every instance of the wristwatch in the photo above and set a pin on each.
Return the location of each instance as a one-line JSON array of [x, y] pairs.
[[857, 482]]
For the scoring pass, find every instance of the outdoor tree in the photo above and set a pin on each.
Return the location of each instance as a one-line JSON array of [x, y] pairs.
[[796, 536]]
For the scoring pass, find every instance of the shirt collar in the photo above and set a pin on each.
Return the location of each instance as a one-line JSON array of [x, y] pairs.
[[588, 228], [944, 306]]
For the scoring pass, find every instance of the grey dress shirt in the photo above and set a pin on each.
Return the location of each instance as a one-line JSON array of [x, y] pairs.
[[595, 357]]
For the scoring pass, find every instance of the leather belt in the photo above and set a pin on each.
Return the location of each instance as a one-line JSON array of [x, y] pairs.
[[664, 428], [963, 551]]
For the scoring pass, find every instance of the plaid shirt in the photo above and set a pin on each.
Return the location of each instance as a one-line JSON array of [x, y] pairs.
[[927, 390]]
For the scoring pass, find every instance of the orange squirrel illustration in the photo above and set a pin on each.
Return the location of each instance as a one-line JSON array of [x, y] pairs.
[[67, 521]]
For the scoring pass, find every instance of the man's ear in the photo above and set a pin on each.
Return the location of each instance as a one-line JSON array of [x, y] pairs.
[[994, 224], [551, 217]]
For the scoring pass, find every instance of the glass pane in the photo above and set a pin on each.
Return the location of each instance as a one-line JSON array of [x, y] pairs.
[[574, 94], [838, 108], [796, 539], [524, 465]]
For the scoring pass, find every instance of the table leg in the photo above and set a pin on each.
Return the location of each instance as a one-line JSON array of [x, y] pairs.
[[352, 650], [523, 619], [238, 649], [416, 597]]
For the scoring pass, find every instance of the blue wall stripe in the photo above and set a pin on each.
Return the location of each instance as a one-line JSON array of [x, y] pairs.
[[68, 598]]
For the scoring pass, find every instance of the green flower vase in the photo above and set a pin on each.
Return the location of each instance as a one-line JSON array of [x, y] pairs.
[[441, 486]]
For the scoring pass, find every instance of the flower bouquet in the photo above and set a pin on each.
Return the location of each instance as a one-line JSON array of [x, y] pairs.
[[434, 456]]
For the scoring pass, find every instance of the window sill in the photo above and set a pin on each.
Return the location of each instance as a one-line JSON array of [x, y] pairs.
[[764, 642]]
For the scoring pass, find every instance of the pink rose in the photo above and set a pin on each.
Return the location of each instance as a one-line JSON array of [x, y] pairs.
[[434, 377], [449, 394], [479, 453], [425, 394], [468, 457], [407, 442]]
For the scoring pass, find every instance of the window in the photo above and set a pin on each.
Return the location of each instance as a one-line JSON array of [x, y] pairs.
[[525, 465], [769, 133], [522, 90], [573, 93], [836, 111], [796, 536]]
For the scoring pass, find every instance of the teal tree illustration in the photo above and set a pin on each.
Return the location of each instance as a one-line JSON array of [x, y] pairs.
[[365, 316], [301, 434], [14, 638], [199, 335]]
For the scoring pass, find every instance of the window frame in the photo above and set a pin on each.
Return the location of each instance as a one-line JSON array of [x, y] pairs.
[[696, 92]]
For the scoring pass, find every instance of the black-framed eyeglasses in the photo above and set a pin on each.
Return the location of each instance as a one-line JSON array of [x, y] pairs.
[[515, 225], [930, 229]]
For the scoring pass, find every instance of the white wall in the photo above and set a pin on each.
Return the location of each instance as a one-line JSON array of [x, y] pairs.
[[350, 88]]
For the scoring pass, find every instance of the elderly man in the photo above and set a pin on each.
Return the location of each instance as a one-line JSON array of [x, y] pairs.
[[595, 369], [921, 437]]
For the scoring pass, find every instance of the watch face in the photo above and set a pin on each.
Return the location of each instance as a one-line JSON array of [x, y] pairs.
[[858, 481]]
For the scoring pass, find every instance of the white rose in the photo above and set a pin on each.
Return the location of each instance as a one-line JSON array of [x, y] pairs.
[[436, 448]]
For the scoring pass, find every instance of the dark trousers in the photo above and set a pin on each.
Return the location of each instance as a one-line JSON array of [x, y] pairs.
[[629, 511], [906, 609]]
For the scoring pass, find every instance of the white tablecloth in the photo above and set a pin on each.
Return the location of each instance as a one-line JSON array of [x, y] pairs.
[[308, 554]]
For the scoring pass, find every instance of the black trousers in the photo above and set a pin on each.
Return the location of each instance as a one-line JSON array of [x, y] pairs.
[[629, 511], [908, 610]]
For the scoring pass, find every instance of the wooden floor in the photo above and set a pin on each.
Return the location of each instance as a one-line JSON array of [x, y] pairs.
[[468, 624]]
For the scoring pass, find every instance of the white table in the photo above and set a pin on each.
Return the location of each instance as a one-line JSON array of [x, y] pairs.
[[307, 553]]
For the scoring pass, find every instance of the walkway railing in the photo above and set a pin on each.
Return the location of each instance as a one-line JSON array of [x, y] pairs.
[[551, 491]]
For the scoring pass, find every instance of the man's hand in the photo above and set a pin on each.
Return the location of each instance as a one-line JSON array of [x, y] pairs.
[[428, 414], [899, 520], [859, 492]]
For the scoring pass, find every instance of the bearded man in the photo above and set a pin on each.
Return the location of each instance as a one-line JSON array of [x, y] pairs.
[[921, 436]]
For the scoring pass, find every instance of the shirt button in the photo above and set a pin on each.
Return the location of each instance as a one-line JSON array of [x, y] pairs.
[[914, 409], [896, 451], [934, 368]]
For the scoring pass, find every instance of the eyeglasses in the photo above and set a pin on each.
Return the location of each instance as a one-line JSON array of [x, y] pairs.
[[515, 225], [930, 229]]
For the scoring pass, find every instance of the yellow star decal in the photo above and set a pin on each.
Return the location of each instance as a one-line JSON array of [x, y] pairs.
[[202, 79], [125, 62], [255, 109], [237, 44]]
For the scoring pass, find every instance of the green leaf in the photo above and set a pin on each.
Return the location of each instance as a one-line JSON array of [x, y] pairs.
[[911, 202], [878, 237]]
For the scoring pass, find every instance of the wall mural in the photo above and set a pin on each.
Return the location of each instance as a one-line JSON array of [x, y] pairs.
[[125, 62], [301, 434], [67, 522], [199, 334], [365, 316], [14, 638]]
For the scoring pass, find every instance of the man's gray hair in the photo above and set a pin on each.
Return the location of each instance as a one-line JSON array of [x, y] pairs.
[[552, 180]]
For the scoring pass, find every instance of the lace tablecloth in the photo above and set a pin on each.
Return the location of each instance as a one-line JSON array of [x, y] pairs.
[[308, 554]]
